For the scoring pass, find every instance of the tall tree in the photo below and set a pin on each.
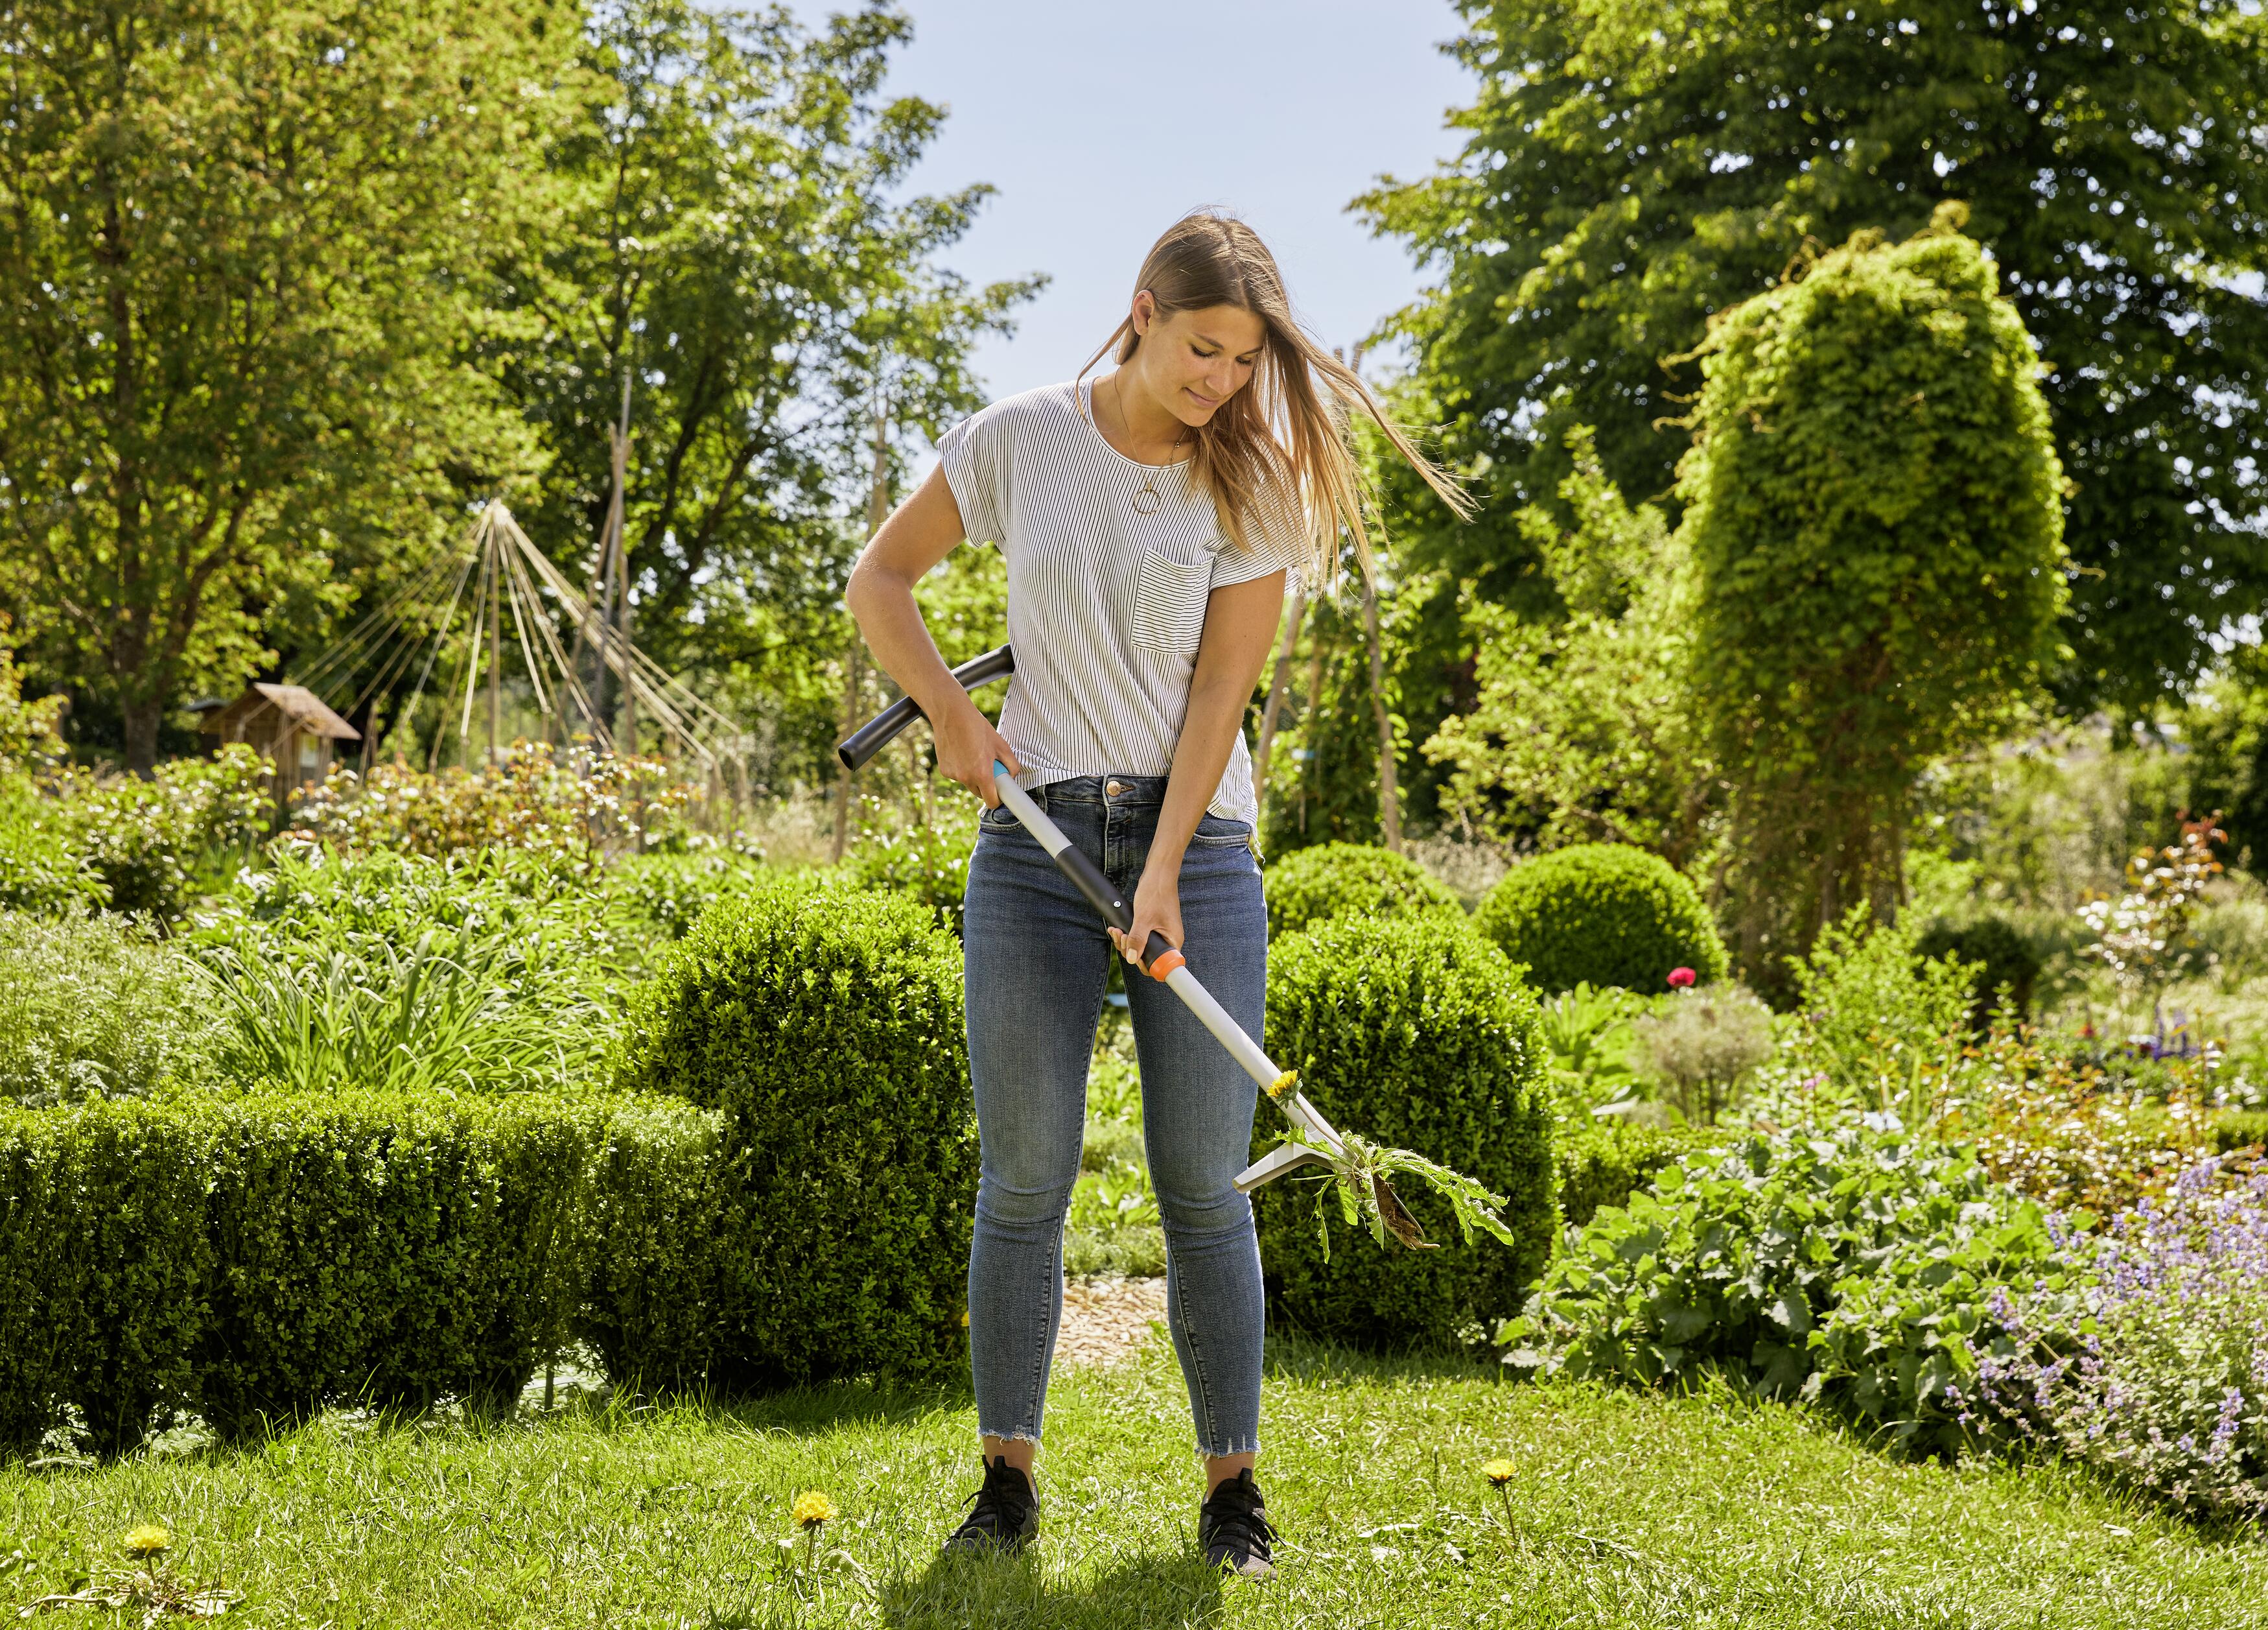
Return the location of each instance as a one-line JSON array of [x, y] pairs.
[[1875, 564], [736, 240], [241, 273], [1630, 168]]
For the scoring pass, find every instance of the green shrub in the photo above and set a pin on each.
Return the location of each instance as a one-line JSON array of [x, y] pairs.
[[2236, 1130], [1602, 914], [392, 1248], [1414, 1033], [151, 841], [104, 1263], [39, 869], [1876, 1019], [650, 1310], [264, 1256], [93, 1006], [652, 899], [1589, 1035], [1853, 1266], [1309, 886], [1603, 1163], [2001, 955], [825, 1023], [928, 862]]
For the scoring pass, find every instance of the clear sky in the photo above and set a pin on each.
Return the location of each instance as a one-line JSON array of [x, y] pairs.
[[1099, 123]]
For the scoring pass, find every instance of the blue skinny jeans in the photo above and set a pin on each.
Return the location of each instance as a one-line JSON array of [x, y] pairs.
[[1038, 962]]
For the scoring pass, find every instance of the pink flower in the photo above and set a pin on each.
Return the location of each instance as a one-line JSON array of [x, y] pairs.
[[1681, 979]]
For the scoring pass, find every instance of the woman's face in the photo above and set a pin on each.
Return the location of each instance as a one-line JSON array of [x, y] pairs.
[[1193, 361]]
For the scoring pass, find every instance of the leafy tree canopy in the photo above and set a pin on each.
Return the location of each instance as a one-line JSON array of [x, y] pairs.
[[242, 269], [733, 237], [1630, 169]]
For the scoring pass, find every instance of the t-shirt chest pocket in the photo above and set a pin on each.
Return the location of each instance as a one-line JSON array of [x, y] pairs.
[[1169, 602]]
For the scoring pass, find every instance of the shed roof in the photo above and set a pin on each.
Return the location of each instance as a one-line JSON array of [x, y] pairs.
[[302, 706]]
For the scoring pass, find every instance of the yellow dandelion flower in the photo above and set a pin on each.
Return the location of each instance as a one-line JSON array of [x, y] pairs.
[[1283, 1084], [147, 1539], [1498, 1472], [812, 1509]]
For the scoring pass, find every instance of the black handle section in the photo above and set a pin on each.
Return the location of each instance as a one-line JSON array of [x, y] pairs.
[[1107, 900], [879, 732]]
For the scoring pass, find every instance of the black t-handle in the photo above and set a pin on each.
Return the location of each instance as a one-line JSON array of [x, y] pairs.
[[879, 732]]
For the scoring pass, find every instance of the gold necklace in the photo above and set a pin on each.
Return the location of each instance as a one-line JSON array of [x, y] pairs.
[[1148, 490]]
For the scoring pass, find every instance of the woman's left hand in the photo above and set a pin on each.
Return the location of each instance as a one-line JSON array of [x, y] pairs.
[[1157, 909]]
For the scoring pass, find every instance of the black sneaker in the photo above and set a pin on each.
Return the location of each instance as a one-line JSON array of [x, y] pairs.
[[1232, 1528], [1006, 1513]]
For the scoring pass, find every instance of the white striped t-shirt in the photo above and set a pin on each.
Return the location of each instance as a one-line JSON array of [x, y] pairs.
[[1105, 603]]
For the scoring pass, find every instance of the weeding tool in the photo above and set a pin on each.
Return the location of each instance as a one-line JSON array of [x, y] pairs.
[[1160, 959]]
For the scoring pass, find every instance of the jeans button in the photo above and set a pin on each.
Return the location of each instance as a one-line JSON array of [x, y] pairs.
[[1111, 789]]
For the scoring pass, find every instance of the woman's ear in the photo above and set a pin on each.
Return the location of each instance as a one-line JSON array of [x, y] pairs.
[[1144, 312]]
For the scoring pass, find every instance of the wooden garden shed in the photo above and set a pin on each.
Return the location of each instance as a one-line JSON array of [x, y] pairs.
[[288, 726]]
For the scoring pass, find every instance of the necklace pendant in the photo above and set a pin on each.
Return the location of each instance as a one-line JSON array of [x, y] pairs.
[[1146, 501]]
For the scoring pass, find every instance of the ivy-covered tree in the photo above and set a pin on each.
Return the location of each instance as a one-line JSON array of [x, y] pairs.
[[1632, 168], [1875, 538], [243, 256]]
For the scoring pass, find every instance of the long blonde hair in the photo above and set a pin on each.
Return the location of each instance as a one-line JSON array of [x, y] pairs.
[[1277, 441]]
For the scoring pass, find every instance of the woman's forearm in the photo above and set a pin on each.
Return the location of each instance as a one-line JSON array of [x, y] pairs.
[[1209, 732], [1239, 629], [920, 533], [883, 604]]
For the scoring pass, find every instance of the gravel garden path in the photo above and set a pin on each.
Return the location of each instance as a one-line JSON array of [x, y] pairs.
[[1106, 1318]]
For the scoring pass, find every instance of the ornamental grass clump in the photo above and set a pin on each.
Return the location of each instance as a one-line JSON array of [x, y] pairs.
[[2155, 1370]]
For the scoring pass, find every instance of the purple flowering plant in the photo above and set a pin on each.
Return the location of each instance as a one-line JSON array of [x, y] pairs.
[[2154, 1370]]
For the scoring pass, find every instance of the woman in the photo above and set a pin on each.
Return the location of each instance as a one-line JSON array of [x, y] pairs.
[[1149, 521]]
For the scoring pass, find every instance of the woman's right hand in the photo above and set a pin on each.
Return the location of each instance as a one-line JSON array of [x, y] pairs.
[[966, 744]]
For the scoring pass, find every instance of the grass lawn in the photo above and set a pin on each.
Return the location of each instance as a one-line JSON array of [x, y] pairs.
[[1628, 1509]]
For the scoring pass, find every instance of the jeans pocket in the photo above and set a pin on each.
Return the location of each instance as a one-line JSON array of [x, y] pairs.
[[1169, 603], [1214, 832]]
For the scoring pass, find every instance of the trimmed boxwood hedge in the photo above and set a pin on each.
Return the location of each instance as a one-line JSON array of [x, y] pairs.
[[1607, 914], [824, 1023], [1309, 886], [1415, 1033], [263, 1257]]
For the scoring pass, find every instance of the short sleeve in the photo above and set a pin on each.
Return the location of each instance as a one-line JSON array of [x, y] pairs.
[[1275, 540], [975, 457]]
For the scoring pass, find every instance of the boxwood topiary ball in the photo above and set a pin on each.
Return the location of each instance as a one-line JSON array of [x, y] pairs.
[[1604, 914], [825, 1023], [1414, 1033], [1309, 886]]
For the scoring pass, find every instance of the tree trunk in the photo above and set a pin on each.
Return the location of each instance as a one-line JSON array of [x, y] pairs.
[[141, 719], [1276, 682], [1389, 797]]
